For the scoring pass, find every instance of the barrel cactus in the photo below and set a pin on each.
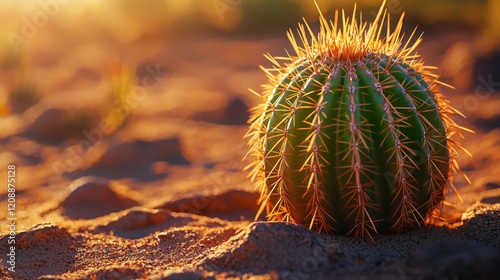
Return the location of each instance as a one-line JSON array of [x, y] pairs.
[[353, 135]]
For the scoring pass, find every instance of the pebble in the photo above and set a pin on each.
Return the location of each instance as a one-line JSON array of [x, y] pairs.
[[92, 197]]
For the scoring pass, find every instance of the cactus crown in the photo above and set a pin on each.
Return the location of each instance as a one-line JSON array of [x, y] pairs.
[[353, 135]]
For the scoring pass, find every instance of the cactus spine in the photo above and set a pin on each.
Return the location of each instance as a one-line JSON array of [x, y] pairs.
[[353, 135]]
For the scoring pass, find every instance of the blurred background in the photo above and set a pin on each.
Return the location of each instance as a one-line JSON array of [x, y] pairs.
[[57, 47], [153, 94]]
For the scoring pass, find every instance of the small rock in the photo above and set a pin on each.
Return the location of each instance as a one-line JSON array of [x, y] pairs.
[[44, 123], [235, 113], [141, 218], [93, 197], [138, 222], [230, 205], [55, 125], [135, 158]]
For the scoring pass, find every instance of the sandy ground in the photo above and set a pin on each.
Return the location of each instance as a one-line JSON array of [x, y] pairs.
[[165, 196]]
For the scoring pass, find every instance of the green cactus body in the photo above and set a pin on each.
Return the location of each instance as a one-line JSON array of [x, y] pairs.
[[353, 136]]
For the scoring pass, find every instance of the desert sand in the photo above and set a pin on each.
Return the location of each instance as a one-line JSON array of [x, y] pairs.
[[164, 196]]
